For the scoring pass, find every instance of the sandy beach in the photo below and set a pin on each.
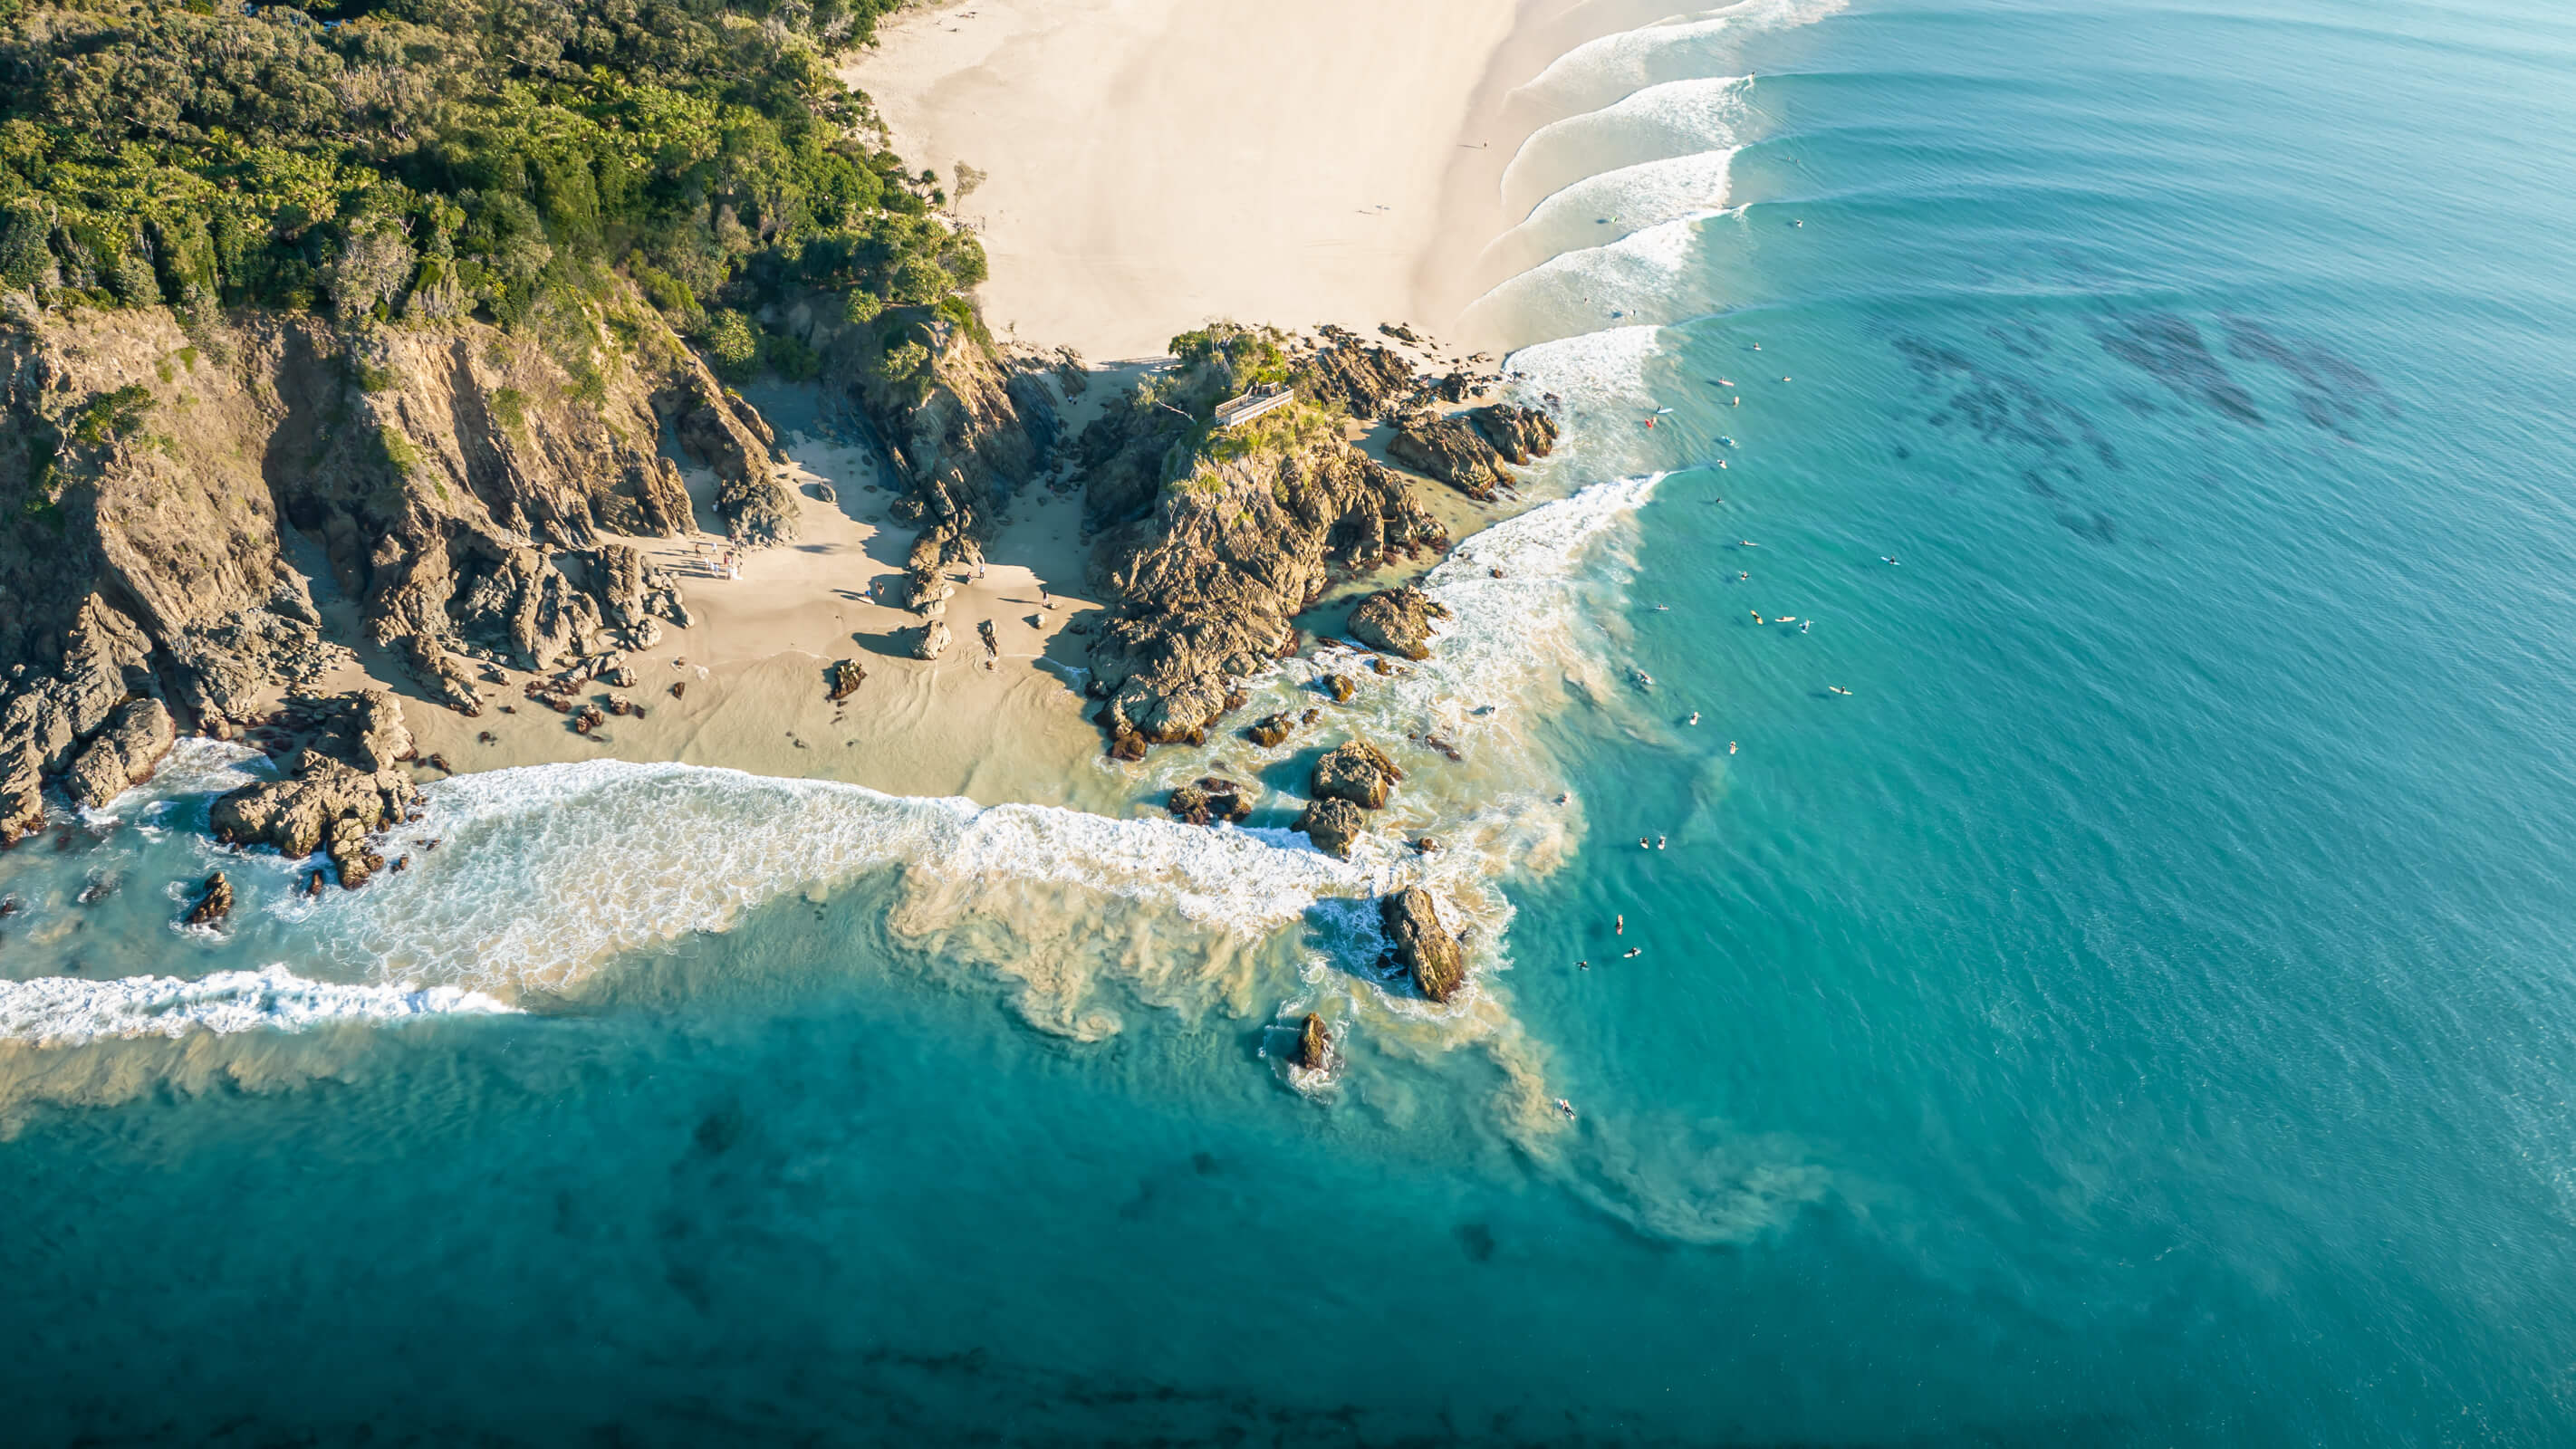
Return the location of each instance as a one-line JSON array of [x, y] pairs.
[[750, 671], [1154, 163]]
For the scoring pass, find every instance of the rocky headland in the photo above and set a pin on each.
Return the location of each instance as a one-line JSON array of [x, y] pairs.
[[477, 496]]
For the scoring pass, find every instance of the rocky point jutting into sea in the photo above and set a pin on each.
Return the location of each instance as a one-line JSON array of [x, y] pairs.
[[479, 495]]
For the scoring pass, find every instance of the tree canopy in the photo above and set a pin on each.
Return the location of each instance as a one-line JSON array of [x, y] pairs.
[[443, 157]]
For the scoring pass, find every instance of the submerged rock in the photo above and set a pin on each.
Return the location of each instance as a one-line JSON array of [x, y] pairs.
[[1210, 799], [1397, 621], [1332, 825], [1420, 944], [1356, 771]]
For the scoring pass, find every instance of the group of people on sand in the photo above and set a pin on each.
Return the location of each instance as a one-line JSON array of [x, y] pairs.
[[720, 561]]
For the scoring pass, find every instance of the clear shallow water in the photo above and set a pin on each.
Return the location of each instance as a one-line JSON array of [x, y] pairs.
[[2139, 1012]]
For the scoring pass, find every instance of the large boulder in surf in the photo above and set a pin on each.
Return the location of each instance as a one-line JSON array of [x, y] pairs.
[[1420, 944], [325, 805], [339, 790], [1314, 1044], [214, 904], [1397, 621], [1450, 451], [1356, 771], [1332, 825], [1271, 729], [1517, 433]]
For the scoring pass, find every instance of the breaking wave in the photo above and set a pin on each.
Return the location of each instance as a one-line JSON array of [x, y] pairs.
[[1674, 121], [1594, 74], [65, 1011]]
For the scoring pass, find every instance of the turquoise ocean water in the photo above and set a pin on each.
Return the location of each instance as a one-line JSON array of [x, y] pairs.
[[2141, 1011]]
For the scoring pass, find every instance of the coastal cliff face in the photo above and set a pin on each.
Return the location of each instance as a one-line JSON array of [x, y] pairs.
[[959, 429], [445, 476]]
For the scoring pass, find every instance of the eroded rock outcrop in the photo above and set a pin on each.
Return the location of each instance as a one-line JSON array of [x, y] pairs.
[[1418, 942], [1519, 434], [339, 790], [1358, 378], [1397, 621], [49, 713], [1208, 585], [1449, 450], [123, 754], [439, 470], [1357, 771], [717, 428]]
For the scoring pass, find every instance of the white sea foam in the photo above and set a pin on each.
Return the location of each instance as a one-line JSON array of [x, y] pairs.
[[548, 871], [1595, 73], [1633, 198], [1660, 123], [195, 768], [60, 1011], [1650, 276]]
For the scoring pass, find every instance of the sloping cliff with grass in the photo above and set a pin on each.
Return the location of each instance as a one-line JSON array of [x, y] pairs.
[[439, 288]]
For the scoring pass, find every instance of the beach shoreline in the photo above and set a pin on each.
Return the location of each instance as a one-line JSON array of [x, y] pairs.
[[966, 81], [1150, 165]]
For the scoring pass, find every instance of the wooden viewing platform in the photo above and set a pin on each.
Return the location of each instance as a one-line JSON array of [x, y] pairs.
[[1249, 406]]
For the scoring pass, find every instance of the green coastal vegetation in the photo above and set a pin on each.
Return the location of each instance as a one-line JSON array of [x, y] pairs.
[[395, 160]]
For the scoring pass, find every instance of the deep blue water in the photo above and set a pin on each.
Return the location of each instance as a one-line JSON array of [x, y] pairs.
[[2140, 1012]]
